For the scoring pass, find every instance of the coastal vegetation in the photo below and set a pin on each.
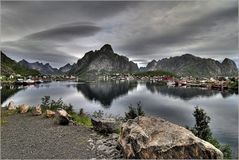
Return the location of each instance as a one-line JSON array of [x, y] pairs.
[[202, 130]]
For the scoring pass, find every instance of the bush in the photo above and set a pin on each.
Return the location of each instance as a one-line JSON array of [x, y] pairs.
[[134, 112], [98, 114], [47, 103], [202, 130], [227, 151]]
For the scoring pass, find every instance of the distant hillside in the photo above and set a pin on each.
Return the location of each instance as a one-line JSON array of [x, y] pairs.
[[190, 65], [65, 68], [42, 68], [103, 60], [9, 66]]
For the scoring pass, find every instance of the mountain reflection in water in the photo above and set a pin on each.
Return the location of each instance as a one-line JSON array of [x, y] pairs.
[[174, 104], [105, 92]]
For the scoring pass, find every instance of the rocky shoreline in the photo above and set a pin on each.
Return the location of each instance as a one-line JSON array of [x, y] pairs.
[[55, 134]]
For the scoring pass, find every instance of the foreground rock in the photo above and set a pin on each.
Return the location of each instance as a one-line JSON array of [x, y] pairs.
[[50, 114], [11, 106], [105, 147], [105, 125], [151, 138], [62, 117], [24, 108], [37, 111]]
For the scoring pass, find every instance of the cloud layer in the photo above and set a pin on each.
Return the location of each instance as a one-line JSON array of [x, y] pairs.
[[61, 32]]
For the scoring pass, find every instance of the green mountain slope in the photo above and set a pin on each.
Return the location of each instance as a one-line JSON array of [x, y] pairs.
[[9, 66]]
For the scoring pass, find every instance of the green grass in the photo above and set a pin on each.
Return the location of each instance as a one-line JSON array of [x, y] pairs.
[[82, 120], [5, 113]]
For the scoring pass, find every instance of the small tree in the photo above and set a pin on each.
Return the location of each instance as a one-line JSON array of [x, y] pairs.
[[202, 130], [134, 112]]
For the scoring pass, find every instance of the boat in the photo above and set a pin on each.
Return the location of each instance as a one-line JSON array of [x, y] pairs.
[[19, 81], [170, 83], [39, 81], [28, 81]]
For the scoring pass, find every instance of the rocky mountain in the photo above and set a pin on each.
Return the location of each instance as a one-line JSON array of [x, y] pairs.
[[188, 64], [103, 60], [42, 68], [65, 68], [9, 67]]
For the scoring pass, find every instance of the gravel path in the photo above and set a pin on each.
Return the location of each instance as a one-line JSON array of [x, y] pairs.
[[34, 137]]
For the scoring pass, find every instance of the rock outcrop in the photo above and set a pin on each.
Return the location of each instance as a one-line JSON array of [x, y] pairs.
[[11, 106], [50, 114], [105, 125], [155, 138], [24, 108], [105, 147], [37, 111], [62, 117]]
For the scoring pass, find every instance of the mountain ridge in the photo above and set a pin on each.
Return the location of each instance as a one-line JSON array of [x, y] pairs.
[[42, 68], [103, 60], [10, 66], [190, 65]]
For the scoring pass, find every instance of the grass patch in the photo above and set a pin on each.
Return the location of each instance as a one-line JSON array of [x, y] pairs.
[[4, 114], [82, 120]]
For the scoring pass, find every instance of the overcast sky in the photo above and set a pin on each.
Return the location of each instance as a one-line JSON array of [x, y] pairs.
[[62, 32]]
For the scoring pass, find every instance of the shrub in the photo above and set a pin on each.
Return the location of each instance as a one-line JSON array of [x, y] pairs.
[[202, 130], [227, 151], [47, 103], [98, 114], [134, 112], [81, 112]]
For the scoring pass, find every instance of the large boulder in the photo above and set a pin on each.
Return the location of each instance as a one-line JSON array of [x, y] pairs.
[[62, 117], [50, 113], [11, 106], [37, 110], [105, 125], [23, 108], [155, 138]]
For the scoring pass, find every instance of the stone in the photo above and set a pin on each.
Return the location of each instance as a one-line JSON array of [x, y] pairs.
[[37, 111], [62, 117], [11, 106], [50, 113], [24, 108], [105, 125], [155, 138]]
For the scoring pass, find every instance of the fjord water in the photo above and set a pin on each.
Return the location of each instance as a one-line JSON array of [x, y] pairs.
[[171, 103]]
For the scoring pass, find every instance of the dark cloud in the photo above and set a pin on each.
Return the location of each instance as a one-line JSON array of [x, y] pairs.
[[186, 33], [141, 31], [66, 32], [34, 51]]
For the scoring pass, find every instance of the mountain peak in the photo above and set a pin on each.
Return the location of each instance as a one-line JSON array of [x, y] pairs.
[[107, 48], [188, 55], [23, 61]]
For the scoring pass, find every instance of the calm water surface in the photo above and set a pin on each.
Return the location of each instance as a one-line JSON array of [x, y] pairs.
[[170, 103]]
